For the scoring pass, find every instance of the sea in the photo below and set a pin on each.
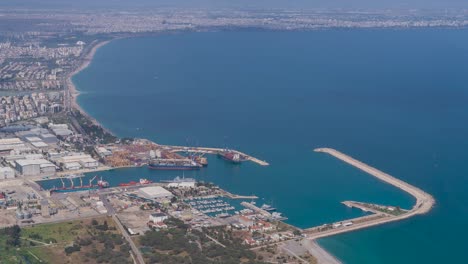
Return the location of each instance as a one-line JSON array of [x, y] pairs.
[[395, 99]]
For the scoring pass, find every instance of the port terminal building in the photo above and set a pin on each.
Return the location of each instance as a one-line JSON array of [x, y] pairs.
[[155, 192]]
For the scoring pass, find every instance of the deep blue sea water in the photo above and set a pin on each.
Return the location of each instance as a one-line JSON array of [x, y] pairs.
[[396, 99]]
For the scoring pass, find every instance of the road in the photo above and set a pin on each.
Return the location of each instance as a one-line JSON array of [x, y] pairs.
[[135, 249], [105, 202], [111, 211]]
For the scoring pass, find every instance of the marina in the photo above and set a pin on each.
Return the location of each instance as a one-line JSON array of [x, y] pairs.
[[210, 206]]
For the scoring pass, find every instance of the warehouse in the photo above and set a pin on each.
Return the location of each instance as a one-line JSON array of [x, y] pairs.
[[32, 139], [72, 166], [155, 192], [182, 184], [85, 160], [49, 138], [89, 163], [9, 144], [6, 173], [30, 167], [39, 144]]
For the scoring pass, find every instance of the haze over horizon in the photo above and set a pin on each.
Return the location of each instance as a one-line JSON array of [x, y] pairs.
[[306, 4]]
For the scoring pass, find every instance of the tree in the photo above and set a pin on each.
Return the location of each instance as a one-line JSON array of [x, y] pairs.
[[296, 232]]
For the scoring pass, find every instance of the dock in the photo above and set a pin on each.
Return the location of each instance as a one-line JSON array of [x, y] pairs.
[[236, 196], [256, 209], [213, 151], [424, 201]]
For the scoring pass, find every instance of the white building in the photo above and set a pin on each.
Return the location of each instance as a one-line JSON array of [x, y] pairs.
[[72, 166], [103, 152], [30, 167], [33, 139], [182, 184], [6, 173], [39, 144], [84, 160], [60, 129], [154, 192], [89, 163], [158, 217], [10, 144]]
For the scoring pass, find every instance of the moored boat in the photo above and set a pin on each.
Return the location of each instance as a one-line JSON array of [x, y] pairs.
[[173, 164], [231, 156]]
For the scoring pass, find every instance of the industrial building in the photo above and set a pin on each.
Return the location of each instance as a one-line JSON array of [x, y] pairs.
[[155, 192], [6, 173], [7, 145], [103, 152], [158, 217], [60, 129], [182, 184], [71, 165], [29, 167], [84, 160], [89, 163]]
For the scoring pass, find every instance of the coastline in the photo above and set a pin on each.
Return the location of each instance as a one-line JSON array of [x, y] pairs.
[[73, 92], [322, 255]]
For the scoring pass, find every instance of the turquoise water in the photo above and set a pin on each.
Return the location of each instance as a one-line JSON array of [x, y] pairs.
[[394, 99]]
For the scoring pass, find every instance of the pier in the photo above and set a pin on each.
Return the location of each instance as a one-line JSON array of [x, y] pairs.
[[214, 151], [424, 201], [256, 209], [236, 196]]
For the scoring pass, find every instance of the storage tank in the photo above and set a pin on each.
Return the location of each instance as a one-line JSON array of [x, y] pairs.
[[27, 215], [19, 215]]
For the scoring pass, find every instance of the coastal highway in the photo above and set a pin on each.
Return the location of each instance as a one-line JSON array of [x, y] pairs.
[[424, 201]]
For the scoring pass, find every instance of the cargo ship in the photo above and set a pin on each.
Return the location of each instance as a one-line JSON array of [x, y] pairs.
[[173, 164], [73, 188], [231, 156], [179, 180], [201, 160], [133, 183], [102, 183]]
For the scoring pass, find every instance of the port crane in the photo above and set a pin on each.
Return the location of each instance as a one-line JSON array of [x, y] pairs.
[[63, 183], [91, 181]]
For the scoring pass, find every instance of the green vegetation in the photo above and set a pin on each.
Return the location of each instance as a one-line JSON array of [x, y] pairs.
[[94, 131], [180, 245], [12, 247], [86, 241]]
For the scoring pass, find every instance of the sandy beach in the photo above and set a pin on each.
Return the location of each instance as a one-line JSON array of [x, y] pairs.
[[73, 93]]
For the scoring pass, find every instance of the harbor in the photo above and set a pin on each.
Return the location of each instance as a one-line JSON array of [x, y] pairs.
[[380, 214], [215, 151]]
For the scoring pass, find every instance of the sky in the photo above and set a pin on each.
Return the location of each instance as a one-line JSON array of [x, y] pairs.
[[348, 4]]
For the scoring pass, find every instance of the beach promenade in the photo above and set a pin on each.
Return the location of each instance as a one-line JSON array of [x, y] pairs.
[[424, 201]]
